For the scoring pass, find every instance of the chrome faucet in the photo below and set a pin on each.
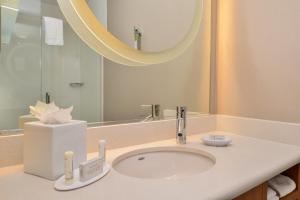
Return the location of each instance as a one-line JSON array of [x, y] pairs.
[[155, 112], [181, 125]]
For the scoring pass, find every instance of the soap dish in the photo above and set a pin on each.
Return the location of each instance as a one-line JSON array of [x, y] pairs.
[[216, 140], [60, 184]]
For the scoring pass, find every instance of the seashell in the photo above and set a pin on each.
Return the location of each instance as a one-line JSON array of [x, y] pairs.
[[51, 114]]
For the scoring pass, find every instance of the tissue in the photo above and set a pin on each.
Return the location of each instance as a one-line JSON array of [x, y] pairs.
[[50, 113]]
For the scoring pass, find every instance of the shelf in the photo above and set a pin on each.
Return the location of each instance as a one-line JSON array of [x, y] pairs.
[[293, 173], [293, 196], [260, 192]]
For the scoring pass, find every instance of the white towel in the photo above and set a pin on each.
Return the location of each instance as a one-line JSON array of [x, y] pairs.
[[283, 185], [54, 31], [274, 198], [271, 193]]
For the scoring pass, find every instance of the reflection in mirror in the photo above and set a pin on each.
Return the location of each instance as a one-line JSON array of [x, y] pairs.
[[183, 81], [162, 24], [20, 79], [40, 63], [37, 63], [9, 12]]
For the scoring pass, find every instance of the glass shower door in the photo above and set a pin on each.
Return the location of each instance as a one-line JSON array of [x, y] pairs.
[[20, 60], [31, 67], [72, 74]]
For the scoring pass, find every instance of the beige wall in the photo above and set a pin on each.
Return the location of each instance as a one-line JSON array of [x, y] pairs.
[[258, 57], [183, 81]]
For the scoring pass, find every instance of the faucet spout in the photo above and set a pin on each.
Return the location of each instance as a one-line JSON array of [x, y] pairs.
[[181, 125], [155, 113]]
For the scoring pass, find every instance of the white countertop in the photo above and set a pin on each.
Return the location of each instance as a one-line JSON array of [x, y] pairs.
[[245, 164]]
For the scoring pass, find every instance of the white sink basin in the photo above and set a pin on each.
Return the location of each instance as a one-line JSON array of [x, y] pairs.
[[163, 163]]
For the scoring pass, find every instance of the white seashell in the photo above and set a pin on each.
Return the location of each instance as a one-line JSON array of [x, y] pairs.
[[42, 107], [51, 114]]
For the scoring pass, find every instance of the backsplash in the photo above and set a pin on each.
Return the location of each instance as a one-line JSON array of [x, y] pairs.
[[117, 136]]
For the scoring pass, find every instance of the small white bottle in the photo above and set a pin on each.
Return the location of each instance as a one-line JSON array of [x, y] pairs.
[[69, 171], [102, 149]]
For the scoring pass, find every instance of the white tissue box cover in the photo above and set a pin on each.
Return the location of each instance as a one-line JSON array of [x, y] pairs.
[[45, 145]]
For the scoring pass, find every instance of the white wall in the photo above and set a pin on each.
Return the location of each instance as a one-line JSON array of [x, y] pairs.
[[258, 59]]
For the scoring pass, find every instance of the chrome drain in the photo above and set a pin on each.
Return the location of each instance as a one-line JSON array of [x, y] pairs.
[[141, 158]]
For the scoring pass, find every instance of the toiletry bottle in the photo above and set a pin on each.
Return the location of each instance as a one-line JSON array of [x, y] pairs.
[[69, 174], [102, 149]]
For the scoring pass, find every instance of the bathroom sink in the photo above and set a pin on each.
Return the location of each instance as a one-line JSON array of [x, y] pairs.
[[170, 163]]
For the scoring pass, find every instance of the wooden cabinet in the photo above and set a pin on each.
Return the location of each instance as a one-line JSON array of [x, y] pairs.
[[260, 192], [257, 193]]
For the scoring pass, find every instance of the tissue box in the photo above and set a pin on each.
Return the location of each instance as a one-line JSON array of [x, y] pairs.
[[45, 145], [25, 119]]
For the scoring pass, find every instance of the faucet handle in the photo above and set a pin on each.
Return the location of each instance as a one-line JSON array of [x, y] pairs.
[[181, 125], [181, 112]]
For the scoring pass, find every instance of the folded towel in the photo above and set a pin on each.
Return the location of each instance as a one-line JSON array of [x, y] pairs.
[[271, 193], [283, 185], [274, 198], [54, 31]]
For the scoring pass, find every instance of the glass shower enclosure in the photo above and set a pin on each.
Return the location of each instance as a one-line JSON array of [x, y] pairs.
[[41, 58]]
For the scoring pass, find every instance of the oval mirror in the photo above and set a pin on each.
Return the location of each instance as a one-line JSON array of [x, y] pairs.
[[132, 36]]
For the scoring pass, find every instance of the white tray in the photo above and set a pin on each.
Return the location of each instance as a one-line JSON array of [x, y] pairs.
[[62, 186]]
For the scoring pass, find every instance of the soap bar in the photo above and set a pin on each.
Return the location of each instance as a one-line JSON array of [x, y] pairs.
[[90, 169], [216, 140]]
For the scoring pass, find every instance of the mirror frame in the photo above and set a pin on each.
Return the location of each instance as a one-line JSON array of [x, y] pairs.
[[97, 37]]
